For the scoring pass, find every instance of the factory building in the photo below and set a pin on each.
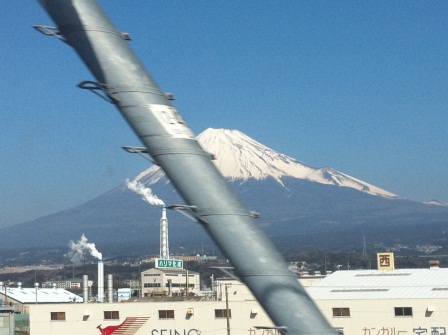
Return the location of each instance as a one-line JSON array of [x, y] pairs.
[[21, 297], [187, 317], [169, 282], [355, 302], [379, 302], [71, 284]]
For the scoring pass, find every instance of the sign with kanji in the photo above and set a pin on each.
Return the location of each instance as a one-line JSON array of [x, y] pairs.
[[385, 260], [169, 263]]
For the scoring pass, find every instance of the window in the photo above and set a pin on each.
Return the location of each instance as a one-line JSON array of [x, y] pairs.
[[166, 314], [341, 311], [403, 311], [178, 285], [222, 313], [111, 315], [57, 316]]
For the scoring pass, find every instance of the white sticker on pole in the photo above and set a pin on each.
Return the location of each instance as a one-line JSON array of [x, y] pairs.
[[171, 121]]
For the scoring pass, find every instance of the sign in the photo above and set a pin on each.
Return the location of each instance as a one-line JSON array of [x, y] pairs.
[[169, 263], [175, 332], [171, 121], [385, 260]]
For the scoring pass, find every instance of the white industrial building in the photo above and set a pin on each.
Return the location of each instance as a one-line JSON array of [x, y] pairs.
[[70, 284], [385, 302], [169, 282], [364, 302], [21, 297]]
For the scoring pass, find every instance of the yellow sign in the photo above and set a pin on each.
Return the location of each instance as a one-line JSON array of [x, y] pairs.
[[385, 260]]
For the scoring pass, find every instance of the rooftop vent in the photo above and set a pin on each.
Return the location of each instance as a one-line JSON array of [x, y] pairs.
[[434, 264]]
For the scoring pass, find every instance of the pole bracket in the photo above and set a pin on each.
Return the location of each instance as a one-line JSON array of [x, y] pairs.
[[142, 151], [187, 211], [51, 31], [96, 88]]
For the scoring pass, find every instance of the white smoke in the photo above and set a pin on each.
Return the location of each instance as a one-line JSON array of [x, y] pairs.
[[145, 192], [78, 249]]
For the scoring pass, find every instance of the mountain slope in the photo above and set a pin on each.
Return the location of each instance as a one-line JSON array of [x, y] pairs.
[[299, 206], [239, 157]]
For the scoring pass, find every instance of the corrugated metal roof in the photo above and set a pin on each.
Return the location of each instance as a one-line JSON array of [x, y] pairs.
[[44, 295], [383, 284]]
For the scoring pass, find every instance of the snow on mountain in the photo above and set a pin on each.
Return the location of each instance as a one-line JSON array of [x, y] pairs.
[[436, 203], [239, 157]]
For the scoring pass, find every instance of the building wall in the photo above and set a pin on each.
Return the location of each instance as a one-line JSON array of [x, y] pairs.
[[367, 317], [377, 317], [66, 284], [370, 316], [155, 281], [6, 322], [84, 318]]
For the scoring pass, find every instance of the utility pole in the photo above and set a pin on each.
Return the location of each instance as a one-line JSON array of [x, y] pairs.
[[140, 289], [227, 310], [186, 285], [364, 249], [36, 285], [6, 295], [213, 288]]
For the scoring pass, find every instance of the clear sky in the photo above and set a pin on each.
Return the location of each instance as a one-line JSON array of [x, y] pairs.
[[360, 86]]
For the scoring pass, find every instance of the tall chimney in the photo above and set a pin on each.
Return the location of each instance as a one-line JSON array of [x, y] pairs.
[[164, 246], [110, 289], [85, 288], [100, 281]]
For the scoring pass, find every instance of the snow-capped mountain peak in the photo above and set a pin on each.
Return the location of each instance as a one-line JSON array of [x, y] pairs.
[[239, 157]]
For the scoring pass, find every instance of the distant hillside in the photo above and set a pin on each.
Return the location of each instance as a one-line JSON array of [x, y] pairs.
[[299, 206]]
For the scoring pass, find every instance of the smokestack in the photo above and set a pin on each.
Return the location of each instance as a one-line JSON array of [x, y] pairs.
[[164, 245], [85, 288], [100, 281], [110, 289]]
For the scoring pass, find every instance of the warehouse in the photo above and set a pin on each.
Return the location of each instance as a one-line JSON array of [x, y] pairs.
[[361, 302], [169, 282], [385, 302]]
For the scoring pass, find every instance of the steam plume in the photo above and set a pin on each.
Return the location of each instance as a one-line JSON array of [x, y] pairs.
[[77, 250], [145, 192]]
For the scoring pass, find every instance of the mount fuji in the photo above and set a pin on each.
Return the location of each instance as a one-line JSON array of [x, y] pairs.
[[239, 158], [300, 207]]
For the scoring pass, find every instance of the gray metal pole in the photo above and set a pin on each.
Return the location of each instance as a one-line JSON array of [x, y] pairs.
[[227, 310], [170, 142]]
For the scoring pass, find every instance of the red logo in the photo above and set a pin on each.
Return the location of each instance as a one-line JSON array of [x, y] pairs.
[[129, 327]]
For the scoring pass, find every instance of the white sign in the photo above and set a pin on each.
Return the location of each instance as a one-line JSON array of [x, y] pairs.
[[169, 263], [171, 121]]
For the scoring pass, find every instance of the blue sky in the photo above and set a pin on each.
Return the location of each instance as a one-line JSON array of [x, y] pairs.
[[358, 86]]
